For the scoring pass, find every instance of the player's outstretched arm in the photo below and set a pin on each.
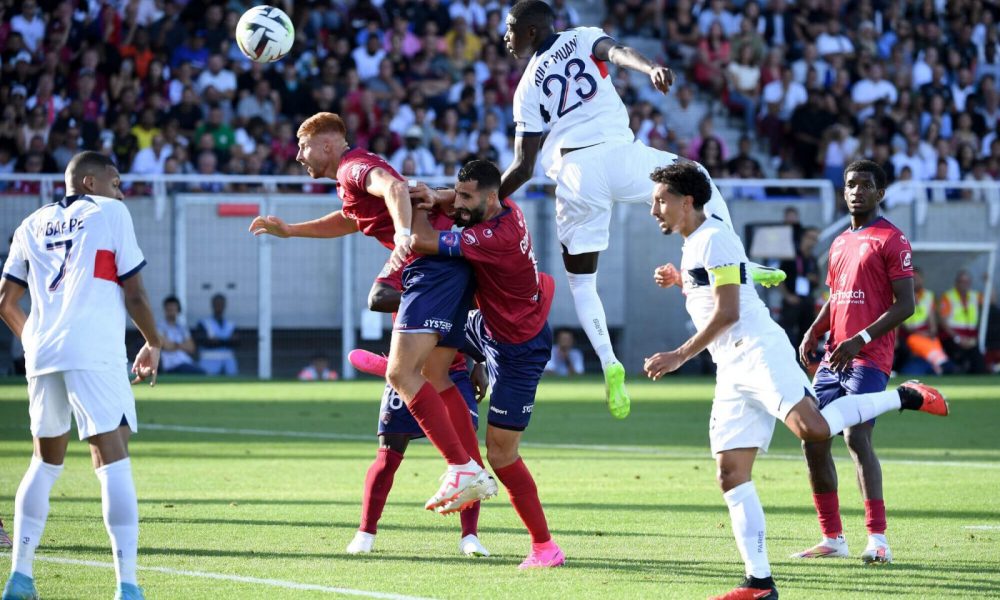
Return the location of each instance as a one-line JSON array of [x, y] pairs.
[[630, 58], [10, 307], [137, 304], [335, 224], [520, 171]]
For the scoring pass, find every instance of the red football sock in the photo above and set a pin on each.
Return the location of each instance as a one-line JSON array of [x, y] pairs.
[[524, 496], [828, 509], [470, 520], [429, 410], [461, 420], [875, 516], [378, 482]]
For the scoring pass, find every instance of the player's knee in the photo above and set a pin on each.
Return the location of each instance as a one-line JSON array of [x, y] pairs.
[[500, 456], [729, 477]]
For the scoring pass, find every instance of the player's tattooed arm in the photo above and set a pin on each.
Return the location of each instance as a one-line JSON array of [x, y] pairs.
[[520, 171], [630, 58]]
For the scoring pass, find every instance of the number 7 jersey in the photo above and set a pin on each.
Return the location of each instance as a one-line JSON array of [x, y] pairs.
[[567, 90], [73, 255]]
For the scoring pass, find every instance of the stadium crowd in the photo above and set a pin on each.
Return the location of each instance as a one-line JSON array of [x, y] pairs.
[[162, 87]]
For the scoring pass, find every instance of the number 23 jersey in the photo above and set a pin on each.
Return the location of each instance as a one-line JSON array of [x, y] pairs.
[[566, 89]]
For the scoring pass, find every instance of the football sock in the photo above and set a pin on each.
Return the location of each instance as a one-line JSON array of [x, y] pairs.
[[749, 529], [121, 516], [852, 409], [31, 509], [590, 312], [875, 517], [378, 482], [828, 511], [429, 410], [524, 496], [461, 421], [470, 520]]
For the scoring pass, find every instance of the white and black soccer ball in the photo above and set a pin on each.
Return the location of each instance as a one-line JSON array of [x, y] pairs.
[[265, 34]]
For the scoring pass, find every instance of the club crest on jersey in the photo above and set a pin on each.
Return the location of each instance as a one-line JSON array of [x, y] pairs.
[[470, 237], [906, 259], [843, 280]]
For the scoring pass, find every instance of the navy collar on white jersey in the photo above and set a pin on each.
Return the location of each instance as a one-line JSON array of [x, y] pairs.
[[65, 202], [547, 43]]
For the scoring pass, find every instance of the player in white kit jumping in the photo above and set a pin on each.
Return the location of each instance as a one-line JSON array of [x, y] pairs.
[[590, 152], [79, 260]]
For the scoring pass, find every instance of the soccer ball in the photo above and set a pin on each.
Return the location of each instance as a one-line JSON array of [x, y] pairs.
[[265, 34]]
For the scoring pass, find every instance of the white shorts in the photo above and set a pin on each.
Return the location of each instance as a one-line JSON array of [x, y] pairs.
[[591, 180], [762, 383], [99, 400]]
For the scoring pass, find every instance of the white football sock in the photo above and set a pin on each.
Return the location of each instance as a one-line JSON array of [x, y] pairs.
[[749, 528], [31, 509], [590, 312], [848, 411], [121, 516]]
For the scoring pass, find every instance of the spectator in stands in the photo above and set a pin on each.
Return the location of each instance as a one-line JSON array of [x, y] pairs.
[[713, 56], [414, 149], [811, 60], [959, 311], [743, 78], [871, 89], [151, 160], [837, 150], [318, 369], [567, 359], [919, 333], [832, 41], [706, 131], [216, 338], [178, 347], [682, 33], [798, 291], [218, 78], [910, 158], [30, 24]]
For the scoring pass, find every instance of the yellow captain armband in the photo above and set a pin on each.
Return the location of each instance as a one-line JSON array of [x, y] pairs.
[[727, 275]]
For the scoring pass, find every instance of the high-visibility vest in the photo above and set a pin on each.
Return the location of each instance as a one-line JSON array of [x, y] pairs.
[[961, 317], [921, 311]]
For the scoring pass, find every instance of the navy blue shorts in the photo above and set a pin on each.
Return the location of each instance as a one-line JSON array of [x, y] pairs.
[[830, 385], [395, 418], [437, 295], [514, 372]]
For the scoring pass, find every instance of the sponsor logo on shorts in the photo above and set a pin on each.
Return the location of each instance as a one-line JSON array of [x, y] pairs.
[[527, 409], [470, 237], [498, 411], [450, 239], [906, 259], [440, 324]]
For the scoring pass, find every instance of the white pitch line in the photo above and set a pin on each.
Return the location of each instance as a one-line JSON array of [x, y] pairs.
[[322, 435], [982, 527], [278, 583]]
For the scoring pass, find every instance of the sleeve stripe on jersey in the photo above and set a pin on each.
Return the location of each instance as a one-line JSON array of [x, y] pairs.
[[593, 49], [527, 133], [138, 268], [16, 280], [729, 275]]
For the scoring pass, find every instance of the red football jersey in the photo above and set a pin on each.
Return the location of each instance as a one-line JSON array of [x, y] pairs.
[[369, 211], [513, 296], [863, 264]]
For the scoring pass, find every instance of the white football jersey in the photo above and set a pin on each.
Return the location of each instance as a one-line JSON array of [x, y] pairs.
[[72, 256], [711, 247], [566, 90]]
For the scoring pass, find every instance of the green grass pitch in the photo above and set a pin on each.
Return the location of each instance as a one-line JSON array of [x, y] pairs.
[[272, 491]]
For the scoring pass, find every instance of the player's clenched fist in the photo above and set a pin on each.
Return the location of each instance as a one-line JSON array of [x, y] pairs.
[[667, 275], [270, 225]]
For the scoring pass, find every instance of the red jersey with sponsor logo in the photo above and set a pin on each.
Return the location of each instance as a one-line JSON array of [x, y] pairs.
[[863, 265], [513, 296], [394, 279], [370, 212]]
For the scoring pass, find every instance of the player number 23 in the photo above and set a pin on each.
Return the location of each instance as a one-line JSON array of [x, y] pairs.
[[66, 245], [580, 76]]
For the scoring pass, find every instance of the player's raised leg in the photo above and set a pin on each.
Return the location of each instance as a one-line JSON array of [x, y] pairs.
[[749, 528]]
